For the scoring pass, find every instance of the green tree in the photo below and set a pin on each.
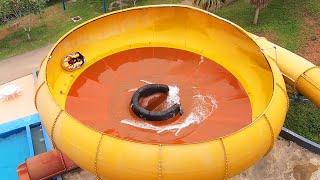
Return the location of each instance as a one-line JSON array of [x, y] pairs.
[[4, 11], [259, 4], [134, 2], [21, 8], [208, 4]]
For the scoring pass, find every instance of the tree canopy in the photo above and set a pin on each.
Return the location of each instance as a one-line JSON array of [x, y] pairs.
[[17, 9], [259, 4], [208, 4]]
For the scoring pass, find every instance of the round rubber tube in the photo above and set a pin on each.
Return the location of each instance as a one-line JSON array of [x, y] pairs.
[[153, 115]]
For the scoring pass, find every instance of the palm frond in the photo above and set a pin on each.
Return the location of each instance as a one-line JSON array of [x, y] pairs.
[[260, 3], [207, 4]]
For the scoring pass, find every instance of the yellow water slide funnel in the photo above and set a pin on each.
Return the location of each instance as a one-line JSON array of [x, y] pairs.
[[257, 63]]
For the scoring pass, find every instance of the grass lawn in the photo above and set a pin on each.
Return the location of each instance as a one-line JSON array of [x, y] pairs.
[[53, 24], [151, 2], [46, 29], [281, 19], [304, 119], [313, 7]]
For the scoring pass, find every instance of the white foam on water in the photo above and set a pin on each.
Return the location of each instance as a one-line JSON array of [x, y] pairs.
[[199, 113], [203, 107], [133, 89], [173, 96], [142, 125], [147, 82]]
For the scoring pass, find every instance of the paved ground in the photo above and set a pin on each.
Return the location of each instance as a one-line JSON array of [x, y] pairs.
[[21, 105], [286, 161], [18, 66]]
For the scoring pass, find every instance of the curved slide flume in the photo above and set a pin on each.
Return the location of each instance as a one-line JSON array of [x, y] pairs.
[[228, 82], [301, 74]]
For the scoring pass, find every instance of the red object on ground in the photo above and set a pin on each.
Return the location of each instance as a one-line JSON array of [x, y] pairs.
[[45, 166]]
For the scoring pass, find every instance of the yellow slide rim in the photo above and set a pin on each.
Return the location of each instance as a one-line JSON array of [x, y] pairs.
[[57, 119]]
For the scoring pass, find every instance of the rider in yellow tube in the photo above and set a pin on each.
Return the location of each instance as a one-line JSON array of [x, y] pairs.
[[72, 62]]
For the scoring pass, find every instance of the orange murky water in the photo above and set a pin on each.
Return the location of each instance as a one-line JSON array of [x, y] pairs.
[[213, 100]]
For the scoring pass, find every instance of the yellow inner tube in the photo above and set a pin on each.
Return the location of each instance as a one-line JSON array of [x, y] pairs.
[[172, 26]]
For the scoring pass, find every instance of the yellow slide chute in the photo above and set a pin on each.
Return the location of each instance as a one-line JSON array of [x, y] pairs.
[[297, 71], [254, 61]]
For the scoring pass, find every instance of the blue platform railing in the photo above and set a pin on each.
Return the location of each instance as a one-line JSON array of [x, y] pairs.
[[26, 123]]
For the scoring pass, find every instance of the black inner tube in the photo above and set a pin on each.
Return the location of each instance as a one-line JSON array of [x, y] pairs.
[[153, 115]]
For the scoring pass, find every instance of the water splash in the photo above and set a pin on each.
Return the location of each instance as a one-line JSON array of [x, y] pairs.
[[139, 124], [133, 89], [147, 82], [198, 114], [203, 107], [173, 96]]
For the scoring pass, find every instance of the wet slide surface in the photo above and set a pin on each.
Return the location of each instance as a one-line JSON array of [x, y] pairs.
[[214, 102]]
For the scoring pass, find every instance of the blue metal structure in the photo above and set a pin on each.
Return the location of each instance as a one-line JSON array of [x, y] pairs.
[[104, 6], [63, 5], [25, 123], [10, 130]]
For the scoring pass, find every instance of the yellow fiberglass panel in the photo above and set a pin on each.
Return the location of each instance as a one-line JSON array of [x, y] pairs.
[[137, 28], [247, 146], [119, 159], [277, 75], [284, 57], [277, 112], [226, 45], [46, 107], [77, 141], [280, 103], [206, 161], [309, 85], [170, 27]]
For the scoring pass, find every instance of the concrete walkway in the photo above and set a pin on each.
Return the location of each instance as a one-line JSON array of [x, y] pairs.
[[18, 66]]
